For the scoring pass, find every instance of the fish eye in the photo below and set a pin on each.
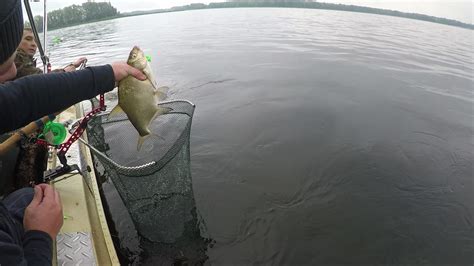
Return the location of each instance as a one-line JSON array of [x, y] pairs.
[[134, 55]]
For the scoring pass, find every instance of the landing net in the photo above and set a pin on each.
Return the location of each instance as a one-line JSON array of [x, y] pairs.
[[155, 182]]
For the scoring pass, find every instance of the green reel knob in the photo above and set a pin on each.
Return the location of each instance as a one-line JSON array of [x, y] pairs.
[[54, 133]]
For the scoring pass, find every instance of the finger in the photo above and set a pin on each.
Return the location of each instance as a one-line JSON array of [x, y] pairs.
[[42, 186], [48, 194], [38, 197], [57, 198], [136, 73]]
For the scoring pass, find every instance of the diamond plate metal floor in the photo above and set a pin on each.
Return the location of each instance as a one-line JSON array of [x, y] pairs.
[[75, 249]]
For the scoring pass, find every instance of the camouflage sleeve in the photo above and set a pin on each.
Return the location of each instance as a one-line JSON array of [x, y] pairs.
[[24, 71], [25, 65]]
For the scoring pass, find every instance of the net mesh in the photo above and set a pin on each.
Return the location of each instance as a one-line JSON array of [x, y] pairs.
[[154, 182]]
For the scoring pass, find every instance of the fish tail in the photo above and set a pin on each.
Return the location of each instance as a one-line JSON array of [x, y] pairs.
[[141, 139], [157, 136]]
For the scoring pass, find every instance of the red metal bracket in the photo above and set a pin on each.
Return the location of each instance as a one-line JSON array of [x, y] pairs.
[[63, 148]]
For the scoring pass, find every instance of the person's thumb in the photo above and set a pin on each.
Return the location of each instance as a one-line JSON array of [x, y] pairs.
[[38, 197], [136, 73]]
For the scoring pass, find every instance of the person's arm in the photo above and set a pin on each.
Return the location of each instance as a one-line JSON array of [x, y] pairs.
[[37, 248], [42, 221], [29, 98], [11, 251]]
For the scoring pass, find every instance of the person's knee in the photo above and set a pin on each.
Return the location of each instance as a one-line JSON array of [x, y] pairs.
[[21, 196], [27, 193]]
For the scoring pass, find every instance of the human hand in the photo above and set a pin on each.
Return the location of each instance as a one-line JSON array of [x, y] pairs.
[[79, 62], [122, 70], [69, 68], [45, 211], [76, 64]]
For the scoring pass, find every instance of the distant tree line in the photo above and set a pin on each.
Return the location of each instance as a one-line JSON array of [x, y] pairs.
[[307, 4], [319, 5], [91, 11], [77, 14]]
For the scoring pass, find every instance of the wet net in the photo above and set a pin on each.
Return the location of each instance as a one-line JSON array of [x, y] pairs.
[[154, 182]]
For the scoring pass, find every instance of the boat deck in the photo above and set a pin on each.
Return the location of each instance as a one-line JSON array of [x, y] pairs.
[[84, 238]]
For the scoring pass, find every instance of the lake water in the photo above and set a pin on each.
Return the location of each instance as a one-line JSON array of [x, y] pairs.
[[319, 137]]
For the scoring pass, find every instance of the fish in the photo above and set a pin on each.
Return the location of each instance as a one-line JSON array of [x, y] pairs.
[[138, 99]]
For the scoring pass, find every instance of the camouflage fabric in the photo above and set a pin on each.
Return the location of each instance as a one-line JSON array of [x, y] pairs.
[[32, 162], [32, 158], [7, 166], [25, 65]]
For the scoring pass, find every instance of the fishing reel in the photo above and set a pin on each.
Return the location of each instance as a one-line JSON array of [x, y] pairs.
[[53, 133]]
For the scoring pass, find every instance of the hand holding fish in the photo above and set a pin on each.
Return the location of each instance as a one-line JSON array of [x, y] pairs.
[[123, 70]]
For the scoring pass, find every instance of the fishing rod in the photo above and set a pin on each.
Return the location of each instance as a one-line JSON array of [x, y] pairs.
[[42, 51]]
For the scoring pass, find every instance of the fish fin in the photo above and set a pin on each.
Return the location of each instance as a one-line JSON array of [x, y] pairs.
[[116, 111], [141, 139], [163, 89], [153, 83], [162, 92], [149, 75], [160, 95], [165, 110], [160, 111]]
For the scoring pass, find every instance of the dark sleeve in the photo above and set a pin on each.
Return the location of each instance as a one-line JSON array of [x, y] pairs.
[[38, 248], [29, 98], [11, 250], [11, 253]]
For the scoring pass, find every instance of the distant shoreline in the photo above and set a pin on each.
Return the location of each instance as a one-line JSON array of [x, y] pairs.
[[310, 5]]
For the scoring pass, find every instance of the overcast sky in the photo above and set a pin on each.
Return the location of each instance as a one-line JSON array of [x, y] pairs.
[[461, 10]]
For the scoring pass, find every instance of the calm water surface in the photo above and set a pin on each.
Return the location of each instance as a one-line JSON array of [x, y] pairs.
[[319, 136]]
